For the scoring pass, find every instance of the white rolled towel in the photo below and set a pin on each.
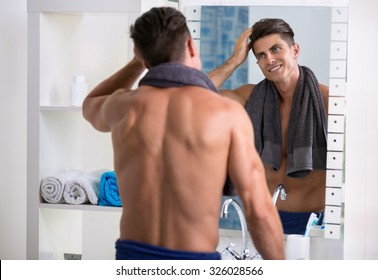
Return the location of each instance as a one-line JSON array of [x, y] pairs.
[[84, 188], [52, 187]]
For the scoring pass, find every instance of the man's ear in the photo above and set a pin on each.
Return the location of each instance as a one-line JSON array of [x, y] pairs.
[[140, 57], [192, 47], [296, 50]]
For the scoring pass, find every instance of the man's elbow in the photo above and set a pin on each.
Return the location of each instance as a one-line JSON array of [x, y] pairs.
[[92, 115], [87, 110]]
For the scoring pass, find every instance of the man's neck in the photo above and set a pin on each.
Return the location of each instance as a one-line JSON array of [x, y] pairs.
[[286, 87]]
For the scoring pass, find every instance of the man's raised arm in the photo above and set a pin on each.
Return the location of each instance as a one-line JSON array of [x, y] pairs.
[[123, 79], [239, 55]]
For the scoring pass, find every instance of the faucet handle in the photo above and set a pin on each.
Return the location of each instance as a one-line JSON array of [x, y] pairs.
[[229, 249], [245, 254]]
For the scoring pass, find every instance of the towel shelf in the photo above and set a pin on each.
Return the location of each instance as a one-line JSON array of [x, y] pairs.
[[60, 108], [81, 207]]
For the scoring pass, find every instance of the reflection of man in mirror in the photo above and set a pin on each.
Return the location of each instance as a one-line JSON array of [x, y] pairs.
[[288, 111]]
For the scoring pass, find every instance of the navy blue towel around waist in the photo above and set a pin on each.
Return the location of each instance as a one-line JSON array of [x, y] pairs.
[[296, 222], [133, 250]]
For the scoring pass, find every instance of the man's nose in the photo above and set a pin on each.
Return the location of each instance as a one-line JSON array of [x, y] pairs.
[[270, 58]]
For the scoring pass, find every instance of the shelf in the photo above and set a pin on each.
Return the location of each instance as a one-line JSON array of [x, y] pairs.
[[81, 207], [60, 108]]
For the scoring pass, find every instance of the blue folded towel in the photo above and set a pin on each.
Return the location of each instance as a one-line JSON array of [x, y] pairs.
[[109, 195]]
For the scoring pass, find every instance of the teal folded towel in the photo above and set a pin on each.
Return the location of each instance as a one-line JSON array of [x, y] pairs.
[[109, 195]]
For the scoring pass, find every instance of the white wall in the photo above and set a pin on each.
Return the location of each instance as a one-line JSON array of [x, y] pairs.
[[361, 195], [13, 129]]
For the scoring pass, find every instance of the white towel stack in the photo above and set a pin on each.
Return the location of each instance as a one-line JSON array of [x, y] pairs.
[[72, 187], [52, 187]]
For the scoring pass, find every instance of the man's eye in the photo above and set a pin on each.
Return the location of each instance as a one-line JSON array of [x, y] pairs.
[[276, 49], [260, 56]]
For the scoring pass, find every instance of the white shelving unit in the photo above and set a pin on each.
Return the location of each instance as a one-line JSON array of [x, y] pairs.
[[67, 38]]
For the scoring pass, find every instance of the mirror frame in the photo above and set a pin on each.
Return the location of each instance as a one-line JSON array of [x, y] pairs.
[[335, 172]]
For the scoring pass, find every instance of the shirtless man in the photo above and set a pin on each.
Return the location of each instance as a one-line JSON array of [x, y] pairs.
[[272, 42], [174, 141]]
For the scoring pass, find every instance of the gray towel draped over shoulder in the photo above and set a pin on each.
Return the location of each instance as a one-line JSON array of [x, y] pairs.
[[172, 74], [307, 131]]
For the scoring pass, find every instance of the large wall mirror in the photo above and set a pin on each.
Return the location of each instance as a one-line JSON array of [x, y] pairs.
[[320, 29]]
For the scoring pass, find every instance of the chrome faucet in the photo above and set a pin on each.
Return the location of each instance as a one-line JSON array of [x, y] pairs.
[[229, 248], [280, 189]]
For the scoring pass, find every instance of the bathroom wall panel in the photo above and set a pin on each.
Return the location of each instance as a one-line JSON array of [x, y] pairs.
[[334, 178], [336, 105], [335, 160], [336, 123], [337, 87], [333, 231], [338, 50], [339, 31], [337, 69], [333, 196], [332, 214], [335, 142]]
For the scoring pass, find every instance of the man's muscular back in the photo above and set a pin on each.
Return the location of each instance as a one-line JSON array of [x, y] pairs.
[[163, 147]]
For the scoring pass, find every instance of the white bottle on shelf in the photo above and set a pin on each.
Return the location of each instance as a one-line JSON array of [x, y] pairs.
[[79, 90]]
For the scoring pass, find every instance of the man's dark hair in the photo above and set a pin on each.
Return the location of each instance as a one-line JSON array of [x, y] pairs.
[[160, 35], [268, 26]]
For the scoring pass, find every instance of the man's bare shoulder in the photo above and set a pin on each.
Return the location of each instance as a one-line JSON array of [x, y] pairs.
[[237, 115], [116, 105], [227, 98], [325, 92], [240, 94]]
